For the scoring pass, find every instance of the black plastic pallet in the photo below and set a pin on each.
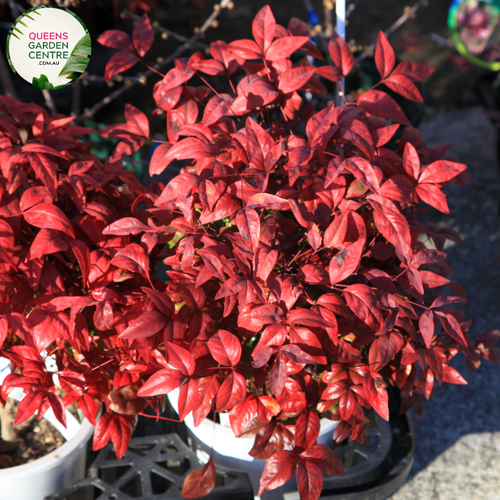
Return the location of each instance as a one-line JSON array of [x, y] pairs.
[[154, 467]]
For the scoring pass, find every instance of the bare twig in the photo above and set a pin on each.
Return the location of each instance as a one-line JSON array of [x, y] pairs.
[[328, 9], [49, 102], [351, 7], [167, 32], [188, 44], [409, 13]]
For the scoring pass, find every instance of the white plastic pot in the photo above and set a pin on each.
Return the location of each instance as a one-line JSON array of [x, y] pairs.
[[232, 452], [54, 471]]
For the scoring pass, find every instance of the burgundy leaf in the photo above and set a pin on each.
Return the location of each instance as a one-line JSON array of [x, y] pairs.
[[200, 482], [225, 348], [148, 324], [384, 56], [379, 103], [364, 304], [46, 215], [120, 62]]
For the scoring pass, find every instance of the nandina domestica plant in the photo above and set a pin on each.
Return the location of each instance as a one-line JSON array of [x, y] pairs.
[[298, 285]]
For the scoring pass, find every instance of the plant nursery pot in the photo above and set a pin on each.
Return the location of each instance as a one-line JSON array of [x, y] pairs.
[[57, 469], [232, 452]]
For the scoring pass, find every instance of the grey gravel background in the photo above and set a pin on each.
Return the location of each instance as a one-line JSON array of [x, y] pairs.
[[458, 436]]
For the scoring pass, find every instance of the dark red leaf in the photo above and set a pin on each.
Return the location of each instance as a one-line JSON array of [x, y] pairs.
[[148, 324], [181, 358], [384, 56], [364, 304], [441, 171], [117, 428], [279, 469], [307, 429], [201, 482], [402, 85], [294, 78], [133, 258], [309, 480], [433, 196], [341, 54], [426, 325], [379, 103]]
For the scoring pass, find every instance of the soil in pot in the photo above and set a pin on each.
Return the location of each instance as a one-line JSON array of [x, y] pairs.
[[35, 439]]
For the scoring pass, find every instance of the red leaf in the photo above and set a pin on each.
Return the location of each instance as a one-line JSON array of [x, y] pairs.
[[263, 27], [376, 393], [384, 56], [441, 171], [383, 349], [47, 241], [413, 70], [345, 262], [379, 103], [225, 348], [398, 188], [46, 215], [126, 226], [216, 108], [117, 428], [357, 132], [143, 35], [137, 121], [207, 390], [451, 376], [181, 358], [246, 49], [161, 382], [411, 161], [402, 85], [82, 254], [231, 392], [248, 222], [278, 375], [306, 317], [279, 469], [162, 301], [383, 135], [231, 287], [307, 429], [341, 54], [284, 47], [323, 457], [318, 124], [120, 62], [433, 196], [267, 314], [46, 171], [28, 406], [133, 258], [34, 195], [309, 480], [201, 482], [179, 186], [451, 327], [157, 164], [294, 78], [270, 201], [364, 304], [188, 397], [148, 324], [253, 91], [426, 325], [331, 73], [116, 40], [185, 114], [364, 172], [242, 414]]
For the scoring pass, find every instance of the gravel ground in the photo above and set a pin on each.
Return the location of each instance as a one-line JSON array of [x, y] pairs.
[[458, 436]]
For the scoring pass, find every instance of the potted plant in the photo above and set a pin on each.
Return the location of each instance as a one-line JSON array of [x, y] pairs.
[[298, 288], [55, 200]]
